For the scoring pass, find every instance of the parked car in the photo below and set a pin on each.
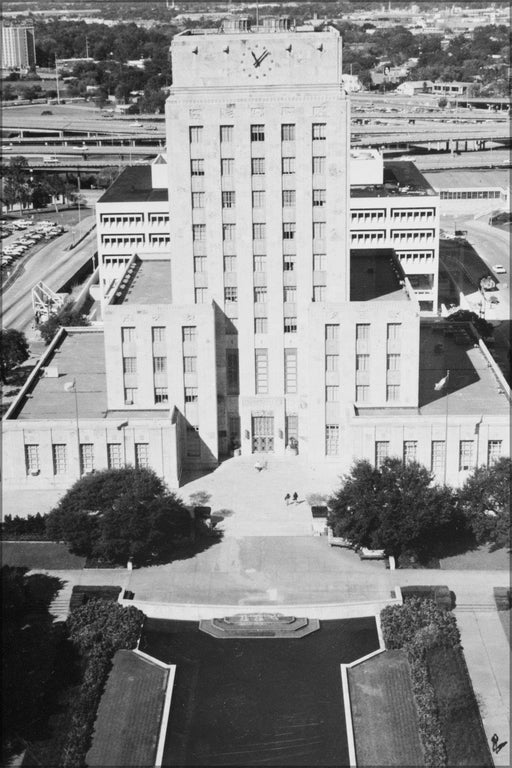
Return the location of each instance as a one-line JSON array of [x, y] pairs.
[[499, 269]]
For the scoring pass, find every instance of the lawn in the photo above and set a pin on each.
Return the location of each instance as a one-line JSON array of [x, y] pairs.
[[480, 559], [383, 712], [41, 555], [461, 725], [128, 720], [258, 701]]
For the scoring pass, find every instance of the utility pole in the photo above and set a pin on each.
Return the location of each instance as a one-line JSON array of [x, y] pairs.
[[57, 78], [86, 47]]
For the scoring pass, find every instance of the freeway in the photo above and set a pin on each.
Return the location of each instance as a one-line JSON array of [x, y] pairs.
[[54, 265]]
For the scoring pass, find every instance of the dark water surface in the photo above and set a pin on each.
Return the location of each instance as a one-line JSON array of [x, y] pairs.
[[258, 702]]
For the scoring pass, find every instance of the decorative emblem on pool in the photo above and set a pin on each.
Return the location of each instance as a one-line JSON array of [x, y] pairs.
[[259, 625]]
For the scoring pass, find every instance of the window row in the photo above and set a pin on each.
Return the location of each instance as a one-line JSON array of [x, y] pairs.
[[260, 263], [258, 166], [261, 371], [158, 333], [466, 457], [60, 459], [257, 133], [484, 194]]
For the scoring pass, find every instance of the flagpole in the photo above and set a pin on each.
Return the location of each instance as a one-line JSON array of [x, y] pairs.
[[446, 427]]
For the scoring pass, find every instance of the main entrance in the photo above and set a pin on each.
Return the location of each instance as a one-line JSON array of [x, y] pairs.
[[262, 434]]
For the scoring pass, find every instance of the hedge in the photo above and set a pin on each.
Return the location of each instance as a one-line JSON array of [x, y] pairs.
[[416, 626], [97, 629], [32, 528]]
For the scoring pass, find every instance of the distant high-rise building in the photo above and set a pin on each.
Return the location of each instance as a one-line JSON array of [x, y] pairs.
[[18, 47]]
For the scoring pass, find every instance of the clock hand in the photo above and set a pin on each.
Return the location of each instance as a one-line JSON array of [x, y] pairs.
[[263, 56], [256, 60]]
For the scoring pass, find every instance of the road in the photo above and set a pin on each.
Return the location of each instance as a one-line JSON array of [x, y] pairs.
[[54, 265]]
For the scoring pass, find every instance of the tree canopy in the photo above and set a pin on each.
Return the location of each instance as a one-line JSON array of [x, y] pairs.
[[120, 513], [485, 500], [13, 351], [66, 316], [395, 507]]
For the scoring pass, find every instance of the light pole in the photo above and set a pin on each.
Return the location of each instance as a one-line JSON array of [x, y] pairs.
[[57, 78], [70, 386]]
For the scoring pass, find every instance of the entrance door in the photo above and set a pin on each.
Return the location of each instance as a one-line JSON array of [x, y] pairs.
[[262, 434], [292, 429]]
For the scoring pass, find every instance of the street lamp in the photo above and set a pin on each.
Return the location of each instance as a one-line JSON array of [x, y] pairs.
[[57, 78]]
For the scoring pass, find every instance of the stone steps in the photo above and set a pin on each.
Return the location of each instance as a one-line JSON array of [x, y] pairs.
[[59, 606]]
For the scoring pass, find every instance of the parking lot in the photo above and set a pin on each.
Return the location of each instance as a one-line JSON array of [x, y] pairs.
[[20, 236]]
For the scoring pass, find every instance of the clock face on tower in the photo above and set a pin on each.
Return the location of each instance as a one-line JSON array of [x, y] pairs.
[[257, 61]]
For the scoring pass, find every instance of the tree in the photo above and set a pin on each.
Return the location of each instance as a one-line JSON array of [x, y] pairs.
[[485, 501], [13, 351], [66, 316], [443, 102], [395, 507]]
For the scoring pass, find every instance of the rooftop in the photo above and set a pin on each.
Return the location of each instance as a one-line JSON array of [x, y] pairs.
[[134, 185], [376, 275], [469, 179], [145, 282], [401, 178]]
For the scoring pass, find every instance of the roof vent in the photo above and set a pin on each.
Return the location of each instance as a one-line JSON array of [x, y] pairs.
[[51, 372]]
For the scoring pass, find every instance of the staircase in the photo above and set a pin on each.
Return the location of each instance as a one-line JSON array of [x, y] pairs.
[[59, 607]]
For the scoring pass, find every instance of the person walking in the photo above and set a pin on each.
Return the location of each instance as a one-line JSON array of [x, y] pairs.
[[287, 498], [295, 497], [494, 741]]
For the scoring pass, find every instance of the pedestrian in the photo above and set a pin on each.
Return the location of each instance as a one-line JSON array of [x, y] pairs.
[[258, 466], [295, 497], [500, 746], [494, 741], [287, 498]]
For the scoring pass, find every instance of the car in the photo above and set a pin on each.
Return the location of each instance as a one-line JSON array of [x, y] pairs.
[[136, 125], [499, 269], [494, 300]]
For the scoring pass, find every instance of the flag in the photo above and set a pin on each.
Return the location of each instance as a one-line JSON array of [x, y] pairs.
[[441, 384], [69, 386]]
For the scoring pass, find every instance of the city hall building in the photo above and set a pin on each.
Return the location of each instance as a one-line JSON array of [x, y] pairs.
[[264, 290]]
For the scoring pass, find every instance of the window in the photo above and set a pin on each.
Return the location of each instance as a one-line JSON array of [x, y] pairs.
[[289, 262], [362, 393], [261, 325], [493, 451], [257, 166], [190, 364], [127, 335], [362, 362], [392, 392], [198, 199], [332, 393], [318, 132], [319, 262], [257, 133], [32, 459], [198, 232], [142, 455], [288, 132], [199, 264], [130, 395], [290, 371], [129, 365], [466, 460], [258, 231], [258, 198], [229, 263], [230, 294], [438, 456], [161, 395], [318, 230], [362, 332], [191, 394], [290, 325], [200, 295], [393, 362], [289, 293], [288, 198], [410, 450], [228, 232], [228, 199], [393, 331], [232, 374], [226, 134], [288, 165], [332, 362], [114, 456], [86, 458], [319, 292], [332, 332], [260, 294], [196, 134], [158, 333], [197, 167], [261, 371], [227, 166], [260, 263], [319, 165], [332, 439], [159, 365], [289, 230], [381, 452], [189, 332], [318, 197]]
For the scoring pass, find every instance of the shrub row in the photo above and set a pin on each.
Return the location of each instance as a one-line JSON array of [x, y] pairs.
[[416, 626], [32, 528], [97, 629]]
